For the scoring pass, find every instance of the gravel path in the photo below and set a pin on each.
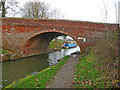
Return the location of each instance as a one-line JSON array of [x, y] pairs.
[[64, 77]]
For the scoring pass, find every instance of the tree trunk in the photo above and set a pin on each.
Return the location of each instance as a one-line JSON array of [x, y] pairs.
[[3, 9]]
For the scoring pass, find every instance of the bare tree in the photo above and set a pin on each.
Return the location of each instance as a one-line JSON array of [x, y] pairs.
[[104, 14], [116, 10], [39, 10], [2, 8], [8, 7], [119, 13]]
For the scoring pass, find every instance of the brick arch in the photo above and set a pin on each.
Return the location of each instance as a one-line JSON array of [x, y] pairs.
[[51, 34], [17, 32]]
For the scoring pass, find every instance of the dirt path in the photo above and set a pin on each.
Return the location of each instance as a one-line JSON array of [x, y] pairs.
[[64, 77]]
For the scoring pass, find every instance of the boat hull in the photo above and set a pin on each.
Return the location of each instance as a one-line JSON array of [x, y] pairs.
[[69, 45]]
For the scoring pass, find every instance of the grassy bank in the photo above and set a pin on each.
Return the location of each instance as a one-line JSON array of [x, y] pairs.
[[41, 79], [99, 67], [88, 75], [56, 44]]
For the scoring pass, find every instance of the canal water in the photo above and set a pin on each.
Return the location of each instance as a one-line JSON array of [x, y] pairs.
[[14, 70]]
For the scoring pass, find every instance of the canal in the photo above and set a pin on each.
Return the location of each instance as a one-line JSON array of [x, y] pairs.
[[14, 70]]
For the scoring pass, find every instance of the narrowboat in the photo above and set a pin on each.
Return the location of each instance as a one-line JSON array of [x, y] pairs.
[[69, 45]]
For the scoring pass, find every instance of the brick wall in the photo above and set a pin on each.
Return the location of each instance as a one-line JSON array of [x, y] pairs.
[[31, 36]]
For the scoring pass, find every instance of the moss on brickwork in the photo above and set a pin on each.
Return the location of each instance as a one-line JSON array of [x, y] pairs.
[[3, 51]]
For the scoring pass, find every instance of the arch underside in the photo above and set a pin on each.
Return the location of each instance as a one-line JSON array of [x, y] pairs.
[[39, 43]]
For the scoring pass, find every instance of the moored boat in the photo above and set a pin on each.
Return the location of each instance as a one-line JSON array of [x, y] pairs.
[[69, 45]]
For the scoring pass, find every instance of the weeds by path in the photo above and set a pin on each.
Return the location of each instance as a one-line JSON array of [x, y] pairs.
[[99, 68], [87, 75]]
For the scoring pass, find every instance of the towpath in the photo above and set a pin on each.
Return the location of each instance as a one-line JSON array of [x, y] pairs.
[[65, 76]]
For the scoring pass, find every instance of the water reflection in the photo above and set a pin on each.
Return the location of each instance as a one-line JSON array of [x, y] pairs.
[[55, 56], [13, 70]]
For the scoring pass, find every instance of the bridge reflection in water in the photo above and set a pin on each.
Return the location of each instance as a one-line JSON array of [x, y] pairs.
[[13, 70]]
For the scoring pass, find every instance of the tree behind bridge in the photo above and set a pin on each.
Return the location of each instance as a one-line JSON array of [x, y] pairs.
[[40, 10], [31, 9]]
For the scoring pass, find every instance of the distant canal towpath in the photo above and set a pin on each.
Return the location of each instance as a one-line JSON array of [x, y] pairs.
[[65, 77]]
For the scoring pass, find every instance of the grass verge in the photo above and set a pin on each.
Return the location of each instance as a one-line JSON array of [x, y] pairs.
[[41, 79], [99, 67], [88, 75]]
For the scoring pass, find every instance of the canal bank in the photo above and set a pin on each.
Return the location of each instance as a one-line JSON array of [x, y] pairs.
[[14, 70], [41, 79], [83, 75], [16, 56]]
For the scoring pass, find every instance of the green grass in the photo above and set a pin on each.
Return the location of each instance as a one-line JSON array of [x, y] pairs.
[[41, 79], [56, 44], [3, 51], [87, 74]]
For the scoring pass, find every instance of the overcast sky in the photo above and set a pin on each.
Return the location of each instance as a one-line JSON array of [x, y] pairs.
[[85, 10]]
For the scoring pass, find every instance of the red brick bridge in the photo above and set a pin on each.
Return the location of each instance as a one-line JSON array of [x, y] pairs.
[[32, 36]]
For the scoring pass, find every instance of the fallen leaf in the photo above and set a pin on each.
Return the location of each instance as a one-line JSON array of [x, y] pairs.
[[90, 83], [113, 82], [94, 85], [73, 81], [47, 87], [36, 80], [74, 78], [83, 83], [83, 77], [76, 81], [65, 82]]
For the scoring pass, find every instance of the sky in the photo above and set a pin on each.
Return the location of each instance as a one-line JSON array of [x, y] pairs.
[[85, 10]]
